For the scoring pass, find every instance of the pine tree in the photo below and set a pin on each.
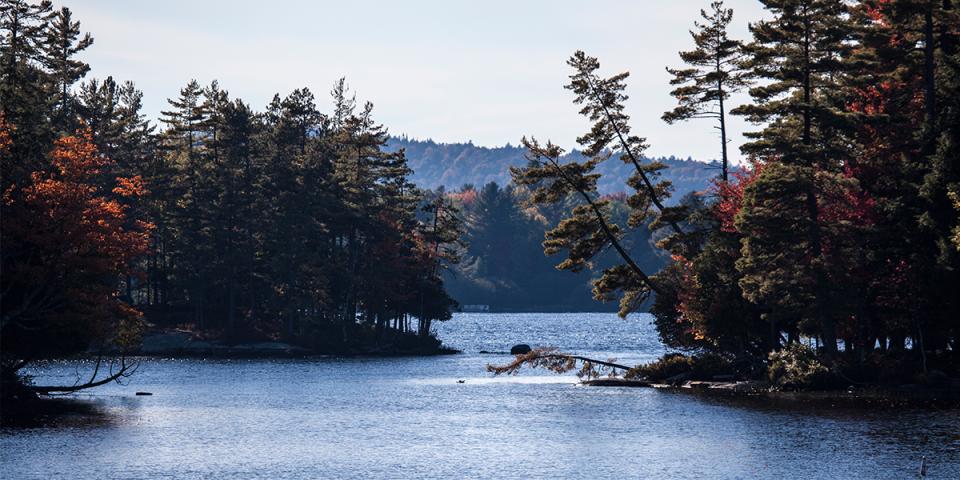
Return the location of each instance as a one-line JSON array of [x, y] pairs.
[[495, 227], [603, 102], [24, 25], [24, 87], [776, 274], [113, 112], [61, 46], [714, 74], [589, 230], [799, 55], [188, 225]]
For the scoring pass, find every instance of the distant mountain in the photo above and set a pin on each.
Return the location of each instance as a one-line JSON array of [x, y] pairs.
[[453, 164]]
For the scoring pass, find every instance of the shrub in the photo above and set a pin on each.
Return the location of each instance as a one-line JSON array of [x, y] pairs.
[[701, 367], [667, 366], [796, 367]]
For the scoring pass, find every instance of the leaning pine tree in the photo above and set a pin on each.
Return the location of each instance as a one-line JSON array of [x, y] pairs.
[[589, 229]]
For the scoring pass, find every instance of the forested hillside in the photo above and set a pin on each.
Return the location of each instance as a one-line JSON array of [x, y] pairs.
[[452, 165]]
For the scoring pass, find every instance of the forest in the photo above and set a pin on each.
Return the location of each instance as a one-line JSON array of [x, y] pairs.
[[833, 256], [284, 223]]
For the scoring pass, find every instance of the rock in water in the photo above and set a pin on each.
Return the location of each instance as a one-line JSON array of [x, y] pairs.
[[520, 349]]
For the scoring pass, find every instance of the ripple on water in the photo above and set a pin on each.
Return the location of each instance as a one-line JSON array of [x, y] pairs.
[[409, 418]]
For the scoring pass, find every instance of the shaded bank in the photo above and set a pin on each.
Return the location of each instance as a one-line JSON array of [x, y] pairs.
[[755, 394], [185, 343], [788, 377]]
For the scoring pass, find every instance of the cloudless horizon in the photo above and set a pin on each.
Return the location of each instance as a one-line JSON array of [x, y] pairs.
[[488, 73]]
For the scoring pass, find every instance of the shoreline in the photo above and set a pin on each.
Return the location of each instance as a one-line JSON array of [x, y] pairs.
[[171, 343], [759, 394]]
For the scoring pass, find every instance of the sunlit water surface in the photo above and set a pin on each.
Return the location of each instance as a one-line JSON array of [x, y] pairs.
[[411, 418]]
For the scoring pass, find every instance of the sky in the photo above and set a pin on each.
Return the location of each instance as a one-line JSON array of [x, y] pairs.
[[488, 71]]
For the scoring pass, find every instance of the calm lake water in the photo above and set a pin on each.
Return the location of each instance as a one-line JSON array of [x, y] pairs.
[[410, 418]]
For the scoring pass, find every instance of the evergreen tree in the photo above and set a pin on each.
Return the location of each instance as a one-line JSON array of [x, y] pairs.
[[775, 272], [496, 225], [24, 87], [183, 144], [588, 230], [603, 102], [799, 56], [61, 46], [714, 74]]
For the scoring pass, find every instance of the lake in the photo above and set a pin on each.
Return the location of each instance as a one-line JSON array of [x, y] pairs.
[[410, 418]]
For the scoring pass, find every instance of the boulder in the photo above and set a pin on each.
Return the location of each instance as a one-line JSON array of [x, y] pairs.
[[520, 349]]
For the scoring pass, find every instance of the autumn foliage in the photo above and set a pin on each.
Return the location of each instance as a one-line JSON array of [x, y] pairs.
[[730, 195], [67, 243]]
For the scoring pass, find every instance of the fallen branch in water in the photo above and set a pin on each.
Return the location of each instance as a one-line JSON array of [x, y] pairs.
[[125, 370], [551, 359]]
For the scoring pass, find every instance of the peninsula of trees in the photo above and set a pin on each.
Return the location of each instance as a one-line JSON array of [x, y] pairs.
[[285, 223], [836, 251]]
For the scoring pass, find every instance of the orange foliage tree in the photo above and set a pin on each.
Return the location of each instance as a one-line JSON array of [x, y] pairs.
[[66, 242]]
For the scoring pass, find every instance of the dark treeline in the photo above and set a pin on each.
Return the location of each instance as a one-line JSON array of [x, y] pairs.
[[290, 220], [837, 249], [503, 265], [286, 223]]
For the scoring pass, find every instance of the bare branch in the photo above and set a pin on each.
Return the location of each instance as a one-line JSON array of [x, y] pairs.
[[552, 359], [125, 371]]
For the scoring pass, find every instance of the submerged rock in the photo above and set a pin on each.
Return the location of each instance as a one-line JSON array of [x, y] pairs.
[[520, 349]]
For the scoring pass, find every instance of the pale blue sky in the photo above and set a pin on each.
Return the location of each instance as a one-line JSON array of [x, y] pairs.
[[489, 71]]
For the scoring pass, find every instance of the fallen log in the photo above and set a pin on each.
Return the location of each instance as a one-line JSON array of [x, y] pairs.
[[551, 359]]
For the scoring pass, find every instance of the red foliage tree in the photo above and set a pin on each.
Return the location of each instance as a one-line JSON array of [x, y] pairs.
[[730, 195], [67, 240]]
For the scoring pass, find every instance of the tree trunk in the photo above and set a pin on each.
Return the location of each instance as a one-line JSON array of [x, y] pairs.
[[723, 125]]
